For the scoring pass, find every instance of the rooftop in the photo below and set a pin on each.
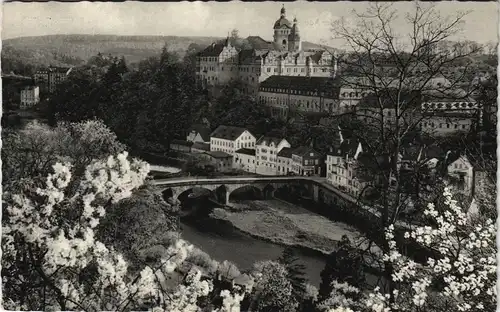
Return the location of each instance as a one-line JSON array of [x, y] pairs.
[[347, 147], [227, 132], [54, 69], [305, 151], [202, 130], [329, 86], [214, 49], [286, 152], [267, 140], [246, 151], [201, 146], [218, 154], [388, 99], [182, 142]]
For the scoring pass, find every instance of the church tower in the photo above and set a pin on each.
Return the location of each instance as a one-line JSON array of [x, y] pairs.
[[282, 30], [294, 43]]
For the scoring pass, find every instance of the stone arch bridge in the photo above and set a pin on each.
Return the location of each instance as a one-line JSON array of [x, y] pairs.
[[224, 186], [319, 190]]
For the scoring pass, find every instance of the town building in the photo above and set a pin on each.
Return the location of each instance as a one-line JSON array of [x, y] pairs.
[[300, 95], [181, 146], [306, 161], [222, 161], [198, 133], [50, 77], [200, 147], [415, 157], [285, 161], [30, 96], [230, 139], [446, 113], [342, 168], [244, 159], [286, 55], [381, 110], [461, 173], [266, 154], [444, 124]]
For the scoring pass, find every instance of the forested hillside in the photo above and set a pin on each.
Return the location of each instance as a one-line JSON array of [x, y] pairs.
[[21, 55]]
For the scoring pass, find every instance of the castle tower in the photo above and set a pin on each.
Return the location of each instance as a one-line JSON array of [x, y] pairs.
[[294, 38], [282, 29]]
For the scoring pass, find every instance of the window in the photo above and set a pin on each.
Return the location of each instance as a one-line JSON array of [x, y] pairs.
[[268, 70]]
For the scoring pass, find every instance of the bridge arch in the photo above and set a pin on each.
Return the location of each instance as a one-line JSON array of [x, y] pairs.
[[222, 194], [253, 190], [291, 190], [268, 191], [185, 191]]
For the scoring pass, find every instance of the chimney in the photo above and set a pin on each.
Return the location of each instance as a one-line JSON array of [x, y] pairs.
[[331, 149]]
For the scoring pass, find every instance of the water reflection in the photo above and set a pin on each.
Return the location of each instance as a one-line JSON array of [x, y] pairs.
[[222, 242]]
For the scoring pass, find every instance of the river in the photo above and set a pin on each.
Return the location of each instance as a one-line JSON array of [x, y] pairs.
[[225, 243]]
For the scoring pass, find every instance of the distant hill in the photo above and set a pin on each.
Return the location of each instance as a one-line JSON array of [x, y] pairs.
[[24, 54], [57, 49]]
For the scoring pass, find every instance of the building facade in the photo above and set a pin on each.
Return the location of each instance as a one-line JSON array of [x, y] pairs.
[[444, 124], [461, 172], [342, 165], [244, 159], [285, 161], [221, 62], [266, 154], [306, 161], [230, 139], [49, 78], [222, 162], [286, 95], [30, 96]]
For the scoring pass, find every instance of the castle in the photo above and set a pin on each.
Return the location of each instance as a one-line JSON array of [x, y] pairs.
[[285, 56]]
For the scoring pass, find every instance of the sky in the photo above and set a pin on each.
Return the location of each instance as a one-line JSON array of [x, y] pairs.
[[214, 18]]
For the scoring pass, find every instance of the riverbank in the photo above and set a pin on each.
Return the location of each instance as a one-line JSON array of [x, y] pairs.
[[286, 224], [222, 240]]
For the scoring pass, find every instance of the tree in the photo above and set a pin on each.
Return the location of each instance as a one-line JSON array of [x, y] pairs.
[[52, 259], [395, 71], [234, 108], [343, 265], [137, 225], [295, 273], [460, 277], [75, 99], [31, 152], [272, 290]]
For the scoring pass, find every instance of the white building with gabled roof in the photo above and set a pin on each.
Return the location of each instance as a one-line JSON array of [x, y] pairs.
[[230, 139], [266, 154]]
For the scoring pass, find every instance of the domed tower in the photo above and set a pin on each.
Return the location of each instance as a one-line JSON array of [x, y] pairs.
[[282, 30], [294, 43]]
